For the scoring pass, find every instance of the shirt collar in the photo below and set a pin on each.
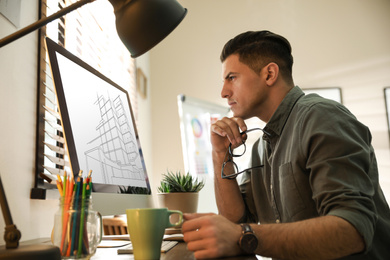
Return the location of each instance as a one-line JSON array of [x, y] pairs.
[[279, 118]]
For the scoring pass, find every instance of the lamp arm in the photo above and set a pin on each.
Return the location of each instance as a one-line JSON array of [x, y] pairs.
[[12, 234], [38, 24], [4, 205]]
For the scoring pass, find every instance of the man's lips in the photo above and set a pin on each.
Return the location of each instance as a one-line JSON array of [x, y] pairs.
[[231, 103]]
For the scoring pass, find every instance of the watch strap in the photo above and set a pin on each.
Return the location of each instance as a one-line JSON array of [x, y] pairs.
[[246, 228]]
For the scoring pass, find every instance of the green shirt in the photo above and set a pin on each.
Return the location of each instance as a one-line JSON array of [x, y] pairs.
[[318, 160]]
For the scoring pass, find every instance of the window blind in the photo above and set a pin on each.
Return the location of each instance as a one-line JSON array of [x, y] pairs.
[[89, 33]]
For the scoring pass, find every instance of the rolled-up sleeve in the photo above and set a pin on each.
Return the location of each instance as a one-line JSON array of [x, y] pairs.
[[342, 166]]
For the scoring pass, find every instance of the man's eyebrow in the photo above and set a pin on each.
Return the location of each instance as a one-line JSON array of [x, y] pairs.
[[229, 74]]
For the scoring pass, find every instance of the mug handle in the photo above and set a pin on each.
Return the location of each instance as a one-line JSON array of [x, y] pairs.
[[178, 223]]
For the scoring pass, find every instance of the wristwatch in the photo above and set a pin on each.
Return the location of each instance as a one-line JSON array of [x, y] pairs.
[[248, 241]]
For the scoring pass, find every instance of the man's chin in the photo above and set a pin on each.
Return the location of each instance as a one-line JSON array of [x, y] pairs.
[[240, 115]]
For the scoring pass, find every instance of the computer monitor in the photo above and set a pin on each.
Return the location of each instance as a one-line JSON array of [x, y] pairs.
[[100, 133]]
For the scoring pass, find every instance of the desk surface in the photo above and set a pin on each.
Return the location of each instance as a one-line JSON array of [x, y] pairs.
[[179, 252]]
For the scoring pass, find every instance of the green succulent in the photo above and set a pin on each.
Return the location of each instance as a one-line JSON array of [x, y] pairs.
[[134, 190], [177, 182]]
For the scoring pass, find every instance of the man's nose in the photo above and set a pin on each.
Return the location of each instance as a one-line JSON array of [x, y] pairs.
[[225, 92]]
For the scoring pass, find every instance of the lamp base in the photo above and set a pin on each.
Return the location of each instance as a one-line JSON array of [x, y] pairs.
[[31, 252]]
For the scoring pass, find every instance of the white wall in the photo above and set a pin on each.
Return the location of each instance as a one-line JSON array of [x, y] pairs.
[[18, 81], [144, 114], [335, 43]]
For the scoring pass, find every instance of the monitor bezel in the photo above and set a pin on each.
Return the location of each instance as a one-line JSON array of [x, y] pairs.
[[52, 49]]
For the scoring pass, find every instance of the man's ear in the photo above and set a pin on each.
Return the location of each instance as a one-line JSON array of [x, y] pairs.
[[272, 73]]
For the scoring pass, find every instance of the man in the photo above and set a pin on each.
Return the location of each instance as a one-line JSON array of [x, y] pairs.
[[313, 190]]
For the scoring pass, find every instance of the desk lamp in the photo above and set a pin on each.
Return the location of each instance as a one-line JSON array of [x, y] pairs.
[[141, 25]]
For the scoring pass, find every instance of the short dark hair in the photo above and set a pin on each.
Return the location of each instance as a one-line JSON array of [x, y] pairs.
[[256, 49]]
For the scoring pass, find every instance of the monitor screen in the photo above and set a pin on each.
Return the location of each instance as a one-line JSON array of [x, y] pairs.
[[99, 126]]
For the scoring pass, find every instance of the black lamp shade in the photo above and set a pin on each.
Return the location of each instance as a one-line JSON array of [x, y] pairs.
[[142, 24]]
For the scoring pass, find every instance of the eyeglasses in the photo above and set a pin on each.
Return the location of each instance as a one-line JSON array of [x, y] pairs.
[[230, 165]]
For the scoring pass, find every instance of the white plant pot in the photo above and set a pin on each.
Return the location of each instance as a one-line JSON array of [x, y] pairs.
[[186, 202]]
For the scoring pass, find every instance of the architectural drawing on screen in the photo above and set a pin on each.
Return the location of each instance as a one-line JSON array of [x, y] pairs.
[[115, 151]]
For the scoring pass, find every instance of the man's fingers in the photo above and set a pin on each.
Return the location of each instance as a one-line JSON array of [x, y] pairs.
[[230, 128], [194, 221], [218, 130], [204, 249], [192, 236]]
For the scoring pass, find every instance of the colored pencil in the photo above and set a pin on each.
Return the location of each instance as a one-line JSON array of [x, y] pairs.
[[74, 237], [82, 220], [59, 187], [75, 216]]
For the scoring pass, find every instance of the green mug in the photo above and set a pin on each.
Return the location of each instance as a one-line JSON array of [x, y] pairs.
[[146, 228]]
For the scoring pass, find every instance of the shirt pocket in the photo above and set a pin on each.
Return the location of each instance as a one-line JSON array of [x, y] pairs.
[[291, 199]]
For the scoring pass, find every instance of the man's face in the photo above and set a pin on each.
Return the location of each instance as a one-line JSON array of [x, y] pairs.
[[245, 90]]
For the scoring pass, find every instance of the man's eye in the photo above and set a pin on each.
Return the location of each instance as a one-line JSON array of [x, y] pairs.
[[232, 78]]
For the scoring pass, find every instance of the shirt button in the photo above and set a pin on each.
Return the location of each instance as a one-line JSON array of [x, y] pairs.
[[278, 221]]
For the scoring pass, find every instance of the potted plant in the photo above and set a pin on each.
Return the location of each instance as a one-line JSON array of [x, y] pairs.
[[179, 192]]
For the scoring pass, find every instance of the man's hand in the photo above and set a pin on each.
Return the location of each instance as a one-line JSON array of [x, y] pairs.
[[226, 131], [227, 194], [211, 236]]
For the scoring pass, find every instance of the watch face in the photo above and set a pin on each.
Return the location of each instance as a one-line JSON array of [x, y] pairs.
[[248, 243]]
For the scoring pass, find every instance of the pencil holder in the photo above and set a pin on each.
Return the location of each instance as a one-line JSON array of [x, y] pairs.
[[77, 228]]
